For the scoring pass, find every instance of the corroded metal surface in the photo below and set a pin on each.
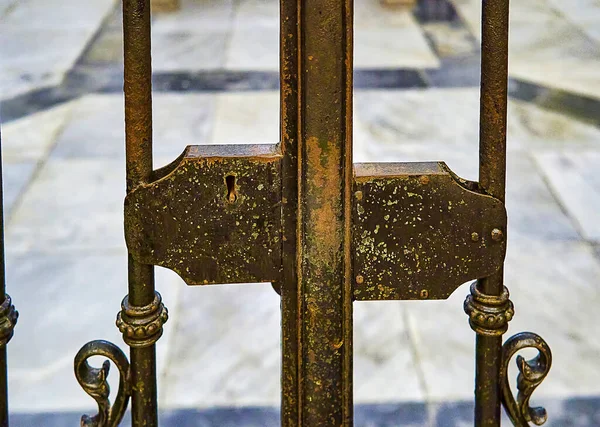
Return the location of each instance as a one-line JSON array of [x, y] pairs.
[[213, 216], [316, 82], [531, 374], [419, 232]]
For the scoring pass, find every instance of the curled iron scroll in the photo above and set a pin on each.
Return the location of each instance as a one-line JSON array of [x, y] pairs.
[[94, 382], [531, 374]]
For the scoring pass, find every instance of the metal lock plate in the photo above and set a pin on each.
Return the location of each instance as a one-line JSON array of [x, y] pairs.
[[213, 216], [419, 232]]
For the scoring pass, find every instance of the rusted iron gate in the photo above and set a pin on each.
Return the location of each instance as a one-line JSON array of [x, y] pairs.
[[324, 231]]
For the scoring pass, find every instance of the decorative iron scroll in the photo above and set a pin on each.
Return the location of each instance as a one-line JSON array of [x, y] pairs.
[[8, 320], [94, 382], [531, 374]]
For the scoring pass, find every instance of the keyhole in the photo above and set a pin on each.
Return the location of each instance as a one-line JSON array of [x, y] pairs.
[[231, 194]]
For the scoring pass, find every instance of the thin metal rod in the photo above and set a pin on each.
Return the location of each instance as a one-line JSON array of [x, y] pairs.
[[144, 408], [291, 395], [3, 361], [316, 73], [492, 178], [138, 131]]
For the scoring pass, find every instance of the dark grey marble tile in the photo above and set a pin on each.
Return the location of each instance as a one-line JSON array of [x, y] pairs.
[[574, 412]]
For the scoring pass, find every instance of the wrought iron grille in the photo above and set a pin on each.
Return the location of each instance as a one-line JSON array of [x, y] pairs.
[[324, 231]]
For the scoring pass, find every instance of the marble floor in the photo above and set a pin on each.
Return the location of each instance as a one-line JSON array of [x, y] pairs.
[[417, 99]]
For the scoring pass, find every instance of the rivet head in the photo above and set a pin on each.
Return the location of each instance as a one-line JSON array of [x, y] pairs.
[[360, 279], [359, 195], [424, 293], [475, 237], [424, 180], [497, 235]]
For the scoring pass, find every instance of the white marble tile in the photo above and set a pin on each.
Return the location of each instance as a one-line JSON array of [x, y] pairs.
[[72, 205], [445, 346], [554, 289], [254, 43], [470, 12], [32, 137], [40, 52], [5, 6], [179, 120], [389, 38], [188, 51], [195, 16], [539, 274], [385, 369], [253, 49], [253, 13], [40, 41], [246, 117], [572, 176], [533, 211], [582, 13], [58, 14], [404, 120], [447, 121], [50, 292], [226, 350], [534, 51], [397, 48], [451, 40], [15, 177]]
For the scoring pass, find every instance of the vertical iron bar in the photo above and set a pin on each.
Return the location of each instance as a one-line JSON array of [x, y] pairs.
[[492, 177], [291, 397], [138, 131], [316, 96], [3, 358]]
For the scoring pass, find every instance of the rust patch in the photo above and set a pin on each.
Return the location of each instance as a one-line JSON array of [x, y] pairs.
[[324, 188]]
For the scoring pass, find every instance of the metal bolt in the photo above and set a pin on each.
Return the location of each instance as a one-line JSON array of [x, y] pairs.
[[424, 180], [360, 279], [475, 237], [497, 235], [359, 195]]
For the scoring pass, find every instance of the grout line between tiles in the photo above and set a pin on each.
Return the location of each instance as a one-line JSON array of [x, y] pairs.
[[39, 165], [413, 337]]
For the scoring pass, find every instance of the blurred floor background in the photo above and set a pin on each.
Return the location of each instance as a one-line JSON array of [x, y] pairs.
[[216, 81]]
